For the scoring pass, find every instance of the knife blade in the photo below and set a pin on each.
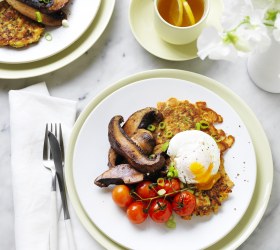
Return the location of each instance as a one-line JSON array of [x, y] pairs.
[[56, 153]]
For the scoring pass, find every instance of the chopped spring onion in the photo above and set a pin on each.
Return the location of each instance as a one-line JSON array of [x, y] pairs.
[[168, 134], [170, 223], [170, 174], [204, 124], [217, 138], [151, 127], [162, 125], [201, 125], [161, 192], [165, 146], [175, 172], [38, 16], [160, 182], [172, 171], [48, 36], [65, 23]]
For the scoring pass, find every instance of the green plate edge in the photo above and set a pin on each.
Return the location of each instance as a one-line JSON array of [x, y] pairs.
[[264, 181]]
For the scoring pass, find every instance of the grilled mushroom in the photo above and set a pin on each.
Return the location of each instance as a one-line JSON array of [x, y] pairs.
[[145, 140], [133, 154], [114, 159], [120, 174], [141, 119], [53, 19], [46, 6]]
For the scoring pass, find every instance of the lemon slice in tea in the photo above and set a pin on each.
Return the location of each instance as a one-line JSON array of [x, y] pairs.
[[189, 12], [176, 12]]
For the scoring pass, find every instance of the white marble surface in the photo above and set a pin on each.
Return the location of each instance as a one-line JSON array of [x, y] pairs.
[[116, 55]]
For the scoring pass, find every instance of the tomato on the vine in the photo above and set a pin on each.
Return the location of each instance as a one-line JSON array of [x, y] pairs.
[[170, 185], [121, 195], [145, 189], [136, 212], [160, 210], [184, 203]]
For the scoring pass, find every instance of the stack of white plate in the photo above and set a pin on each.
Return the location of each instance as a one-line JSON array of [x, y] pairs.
[[87, 20]]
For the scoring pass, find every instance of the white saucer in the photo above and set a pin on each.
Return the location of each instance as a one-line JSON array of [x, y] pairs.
[[141, 23]]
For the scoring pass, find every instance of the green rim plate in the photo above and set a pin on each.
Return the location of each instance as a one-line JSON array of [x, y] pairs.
[[264, 181], [25, 70]]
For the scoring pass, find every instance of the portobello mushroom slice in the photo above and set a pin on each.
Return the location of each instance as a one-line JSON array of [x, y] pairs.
[[145, 140], [54, 19], [125, 146], [46, 6], [120, 174], [141, 119], [114, 159]]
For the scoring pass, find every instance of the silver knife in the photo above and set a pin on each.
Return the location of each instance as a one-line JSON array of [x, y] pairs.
[[56, 153]]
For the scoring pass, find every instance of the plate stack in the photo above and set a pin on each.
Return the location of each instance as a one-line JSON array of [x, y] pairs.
[[86, 19]]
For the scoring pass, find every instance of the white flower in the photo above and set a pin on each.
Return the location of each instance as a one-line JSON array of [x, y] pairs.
[[245, 29], [210, 43], [276, 30], [252, 38]]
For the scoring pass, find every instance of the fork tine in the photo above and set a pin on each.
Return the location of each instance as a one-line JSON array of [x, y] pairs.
[[51, 130], [46, 143], [61, 143], [55, 130]]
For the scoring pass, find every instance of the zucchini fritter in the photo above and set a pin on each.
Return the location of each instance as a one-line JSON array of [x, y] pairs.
[[183, 115], [17, 30]]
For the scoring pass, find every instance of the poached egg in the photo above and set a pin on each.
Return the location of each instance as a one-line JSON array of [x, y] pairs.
[[196, 157]]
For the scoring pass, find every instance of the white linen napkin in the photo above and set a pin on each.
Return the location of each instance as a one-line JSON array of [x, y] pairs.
[[30, 109]]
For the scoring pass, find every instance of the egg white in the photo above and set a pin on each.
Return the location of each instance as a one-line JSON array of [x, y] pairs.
[[193, 146]]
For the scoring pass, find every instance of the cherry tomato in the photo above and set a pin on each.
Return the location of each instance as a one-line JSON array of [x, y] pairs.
[[145, 190], [160, 210], [184, 203], [121, 195], [170, 186], [136, 212]]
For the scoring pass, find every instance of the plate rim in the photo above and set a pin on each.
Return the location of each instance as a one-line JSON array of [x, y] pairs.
[[68, 55], [139, 40], [94, 14], [254, 212]]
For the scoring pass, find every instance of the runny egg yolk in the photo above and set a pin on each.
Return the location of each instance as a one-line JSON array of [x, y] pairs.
[[205, 180]]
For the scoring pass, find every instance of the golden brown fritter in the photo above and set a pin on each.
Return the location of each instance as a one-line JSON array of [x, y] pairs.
[[183, 115], [17, 30]]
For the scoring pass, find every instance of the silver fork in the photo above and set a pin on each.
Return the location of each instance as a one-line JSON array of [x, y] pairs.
[[49, 164]]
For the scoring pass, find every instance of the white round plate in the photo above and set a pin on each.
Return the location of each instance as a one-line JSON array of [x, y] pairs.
[[141, 22], [97, 27], [80, 15], [90, 160]]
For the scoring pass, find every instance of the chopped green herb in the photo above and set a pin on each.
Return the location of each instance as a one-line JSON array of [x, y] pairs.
[[38, 16], [48, 36], [164, 146], [162, 125], [151, 127]]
